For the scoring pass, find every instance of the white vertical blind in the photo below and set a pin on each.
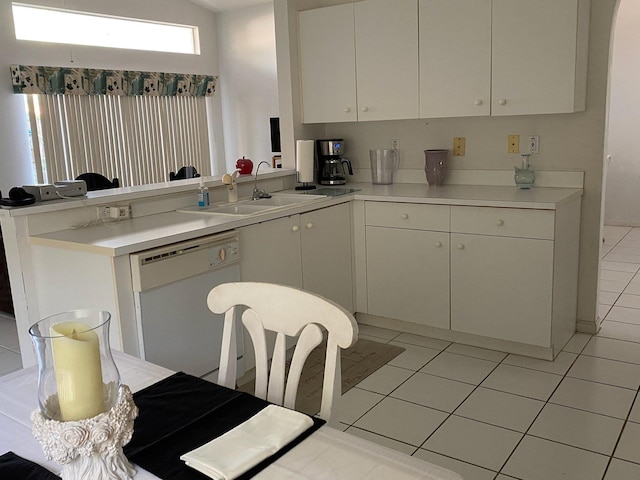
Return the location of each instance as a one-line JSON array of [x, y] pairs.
[[137, 139]]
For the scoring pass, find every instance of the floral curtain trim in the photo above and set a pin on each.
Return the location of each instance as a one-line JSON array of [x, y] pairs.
[[90, 81]]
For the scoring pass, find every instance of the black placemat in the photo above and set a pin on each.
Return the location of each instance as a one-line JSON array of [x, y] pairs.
[[14, 467], [183, 412]]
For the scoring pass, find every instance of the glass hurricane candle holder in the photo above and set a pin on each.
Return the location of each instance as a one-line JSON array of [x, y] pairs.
[[78, 378], [85, 415]]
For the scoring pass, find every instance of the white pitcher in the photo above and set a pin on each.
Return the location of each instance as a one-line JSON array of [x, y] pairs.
[[383, 164]]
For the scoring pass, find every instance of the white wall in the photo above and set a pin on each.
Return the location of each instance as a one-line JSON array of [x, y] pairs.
[[573, 142], [623, 171], [248, 80], [14, 150]]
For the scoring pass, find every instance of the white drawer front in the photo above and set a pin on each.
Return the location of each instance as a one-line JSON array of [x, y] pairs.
[[414, 216], [507, 222]]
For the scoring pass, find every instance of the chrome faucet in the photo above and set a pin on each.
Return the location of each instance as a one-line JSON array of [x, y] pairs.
[[258, 194]]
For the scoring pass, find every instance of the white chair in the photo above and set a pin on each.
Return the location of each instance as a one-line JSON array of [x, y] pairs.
[[289, 312]]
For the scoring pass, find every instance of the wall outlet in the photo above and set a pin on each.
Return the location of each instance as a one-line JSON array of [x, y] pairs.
[[119, 212], [103, 212], [534, 143], [458, 146], [395, 144], [513, 144]]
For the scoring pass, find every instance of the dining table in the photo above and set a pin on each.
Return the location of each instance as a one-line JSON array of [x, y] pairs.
[[327, 453]]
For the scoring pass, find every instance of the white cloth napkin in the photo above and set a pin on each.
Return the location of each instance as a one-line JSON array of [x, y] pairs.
[[230, 455]]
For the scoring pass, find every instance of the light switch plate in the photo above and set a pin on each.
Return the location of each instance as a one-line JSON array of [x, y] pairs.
[[458, 146]]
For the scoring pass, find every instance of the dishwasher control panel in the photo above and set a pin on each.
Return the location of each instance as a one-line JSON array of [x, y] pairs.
[[223, 254], [178, 261]]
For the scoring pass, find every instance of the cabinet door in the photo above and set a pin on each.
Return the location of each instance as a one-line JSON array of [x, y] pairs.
[[408, 275], [501, 287], [270, 252], [535, 57], [326, 253], [327, 64], [455, 58], [387, 59]]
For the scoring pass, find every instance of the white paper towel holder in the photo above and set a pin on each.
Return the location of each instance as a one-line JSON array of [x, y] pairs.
[[305, 164]]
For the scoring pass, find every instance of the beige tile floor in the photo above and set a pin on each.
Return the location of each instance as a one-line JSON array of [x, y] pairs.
[[490, 415]]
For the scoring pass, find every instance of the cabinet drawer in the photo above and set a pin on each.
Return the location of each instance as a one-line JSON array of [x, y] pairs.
[[414, 216], [507, 222]]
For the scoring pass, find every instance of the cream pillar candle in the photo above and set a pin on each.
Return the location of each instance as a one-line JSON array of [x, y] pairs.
[[76, 360]]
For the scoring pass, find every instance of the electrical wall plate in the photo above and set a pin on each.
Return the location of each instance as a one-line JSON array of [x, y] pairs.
[[458, 146], [513, 144]]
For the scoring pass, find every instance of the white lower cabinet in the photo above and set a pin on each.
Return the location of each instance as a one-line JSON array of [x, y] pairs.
[[311, 251], [407, 250], [408, 275], [486, 274], [501, 287]]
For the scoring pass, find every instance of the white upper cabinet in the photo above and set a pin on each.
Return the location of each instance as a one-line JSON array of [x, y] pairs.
[[386, 35], [359, 61], [327, 64], [400, 59], [455, 58], [539, 56]]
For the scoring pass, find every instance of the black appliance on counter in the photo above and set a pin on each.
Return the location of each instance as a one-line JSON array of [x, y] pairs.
[[331, 163]]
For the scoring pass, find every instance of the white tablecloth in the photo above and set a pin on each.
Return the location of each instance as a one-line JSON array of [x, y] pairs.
[[327, 454]]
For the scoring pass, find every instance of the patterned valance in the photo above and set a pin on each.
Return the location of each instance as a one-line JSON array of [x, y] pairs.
[[91, 81]]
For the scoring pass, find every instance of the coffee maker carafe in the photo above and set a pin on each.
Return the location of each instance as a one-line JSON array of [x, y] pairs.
[[331, 163]]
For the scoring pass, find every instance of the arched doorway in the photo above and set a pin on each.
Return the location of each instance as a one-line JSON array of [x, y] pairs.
[[619, 284]]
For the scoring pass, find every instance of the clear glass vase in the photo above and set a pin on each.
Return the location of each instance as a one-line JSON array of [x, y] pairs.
[[78, 378]]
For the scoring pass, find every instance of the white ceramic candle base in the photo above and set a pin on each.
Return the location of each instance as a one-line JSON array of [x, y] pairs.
[[90, 448]]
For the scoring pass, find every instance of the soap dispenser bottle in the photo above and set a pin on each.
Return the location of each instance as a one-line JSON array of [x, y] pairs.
[[203, 194], [524, 176]]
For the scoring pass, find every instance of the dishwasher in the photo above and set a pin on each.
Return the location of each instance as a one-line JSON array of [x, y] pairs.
[[175, 327]]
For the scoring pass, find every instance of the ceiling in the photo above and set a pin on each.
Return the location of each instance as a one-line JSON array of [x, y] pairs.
[[224, 5]]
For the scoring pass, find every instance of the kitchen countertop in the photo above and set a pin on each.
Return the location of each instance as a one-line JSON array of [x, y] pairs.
[[151, 231]]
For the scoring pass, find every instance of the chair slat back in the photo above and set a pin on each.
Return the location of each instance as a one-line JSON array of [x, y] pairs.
[[290, 312]]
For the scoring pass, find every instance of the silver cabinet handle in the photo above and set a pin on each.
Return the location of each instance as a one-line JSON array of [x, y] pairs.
[[404, 216], [502, 101], [460, 246], [365, 109], [478, 102], [347, 110], [500, 223]]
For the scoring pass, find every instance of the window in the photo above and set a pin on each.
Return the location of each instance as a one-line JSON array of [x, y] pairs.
[[136, 139], [83, 28]]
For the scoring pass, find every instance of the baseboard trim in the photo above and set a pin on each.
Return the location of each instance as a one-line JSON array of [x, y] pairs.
[[544, 353]]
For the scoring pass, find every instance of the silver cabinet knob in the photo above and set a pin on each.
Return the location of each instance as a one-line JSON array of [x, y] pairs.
[[295, 228], [365, 109], [347, 110], [222, 254], [502, 101], [500, 223], [460, 246], [479, 102], [438, 244], [309, 225], [404, 216]]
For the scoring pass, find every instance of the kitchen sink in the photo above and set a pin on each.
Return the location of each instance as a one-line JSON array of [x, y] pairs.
[[247, 206]]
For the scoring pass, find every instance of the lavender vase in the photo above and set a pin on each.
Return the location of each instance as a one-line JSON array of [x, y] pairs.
[[436, 166]]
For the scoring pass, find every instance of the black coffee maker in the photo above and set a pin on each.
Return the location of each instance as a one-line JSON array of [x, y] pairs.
[[331, 163]]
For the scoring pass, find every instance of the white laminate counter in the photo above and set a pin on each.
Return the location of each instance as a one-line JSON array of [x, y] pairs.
[[135, 234]]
